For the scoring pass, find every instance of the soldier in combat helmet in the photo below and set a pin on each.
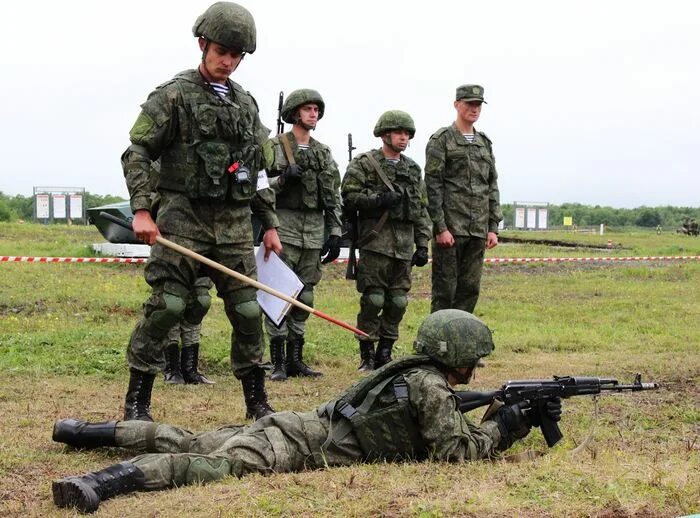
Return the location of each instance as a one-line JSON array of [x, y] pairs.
[[306, 180], [406, 410], [384, 187], [205, 130], [463, 202]]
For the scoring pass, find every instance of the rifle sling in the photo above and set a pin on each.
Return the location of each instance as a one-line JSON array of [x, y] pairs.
[[374, 233], [287, 149]]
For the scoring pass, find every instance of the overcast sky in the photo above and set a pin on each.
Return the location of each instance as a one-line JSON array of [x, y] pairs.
[[594, 102]]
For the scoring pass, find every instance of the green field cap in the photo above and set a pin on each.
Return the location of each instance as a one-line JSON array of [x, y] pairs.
[[470, 93]]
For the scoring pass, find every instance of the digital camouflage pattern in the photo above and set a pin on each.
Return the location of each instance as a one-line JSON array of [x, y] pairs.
[[394, 120], [308, 211], [462, 184], [384, 269], [299, 98], [292, 441], [202, 207], [470, 93], [456, 275], [454, 338], [228, 24], [184, 332]]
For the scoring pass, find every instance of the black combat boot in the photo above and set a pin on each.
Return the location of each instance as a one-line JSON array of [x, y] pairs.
[[295, 361], [255, 396], [366, 356], [137, 405], [81, 434], [383, 354], [85, 493], [279, 370], [189, 362], [172, 372]]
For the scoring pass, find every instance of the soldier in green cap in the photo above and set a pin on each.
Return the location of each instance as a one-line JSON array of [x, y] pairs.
[[385, 189], [205, 130], [405, 411], [306, 181], [463, 203]]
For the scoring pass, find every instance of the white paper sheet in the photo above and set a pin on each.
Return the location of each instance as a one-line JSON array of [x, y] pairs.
[[276, 274]]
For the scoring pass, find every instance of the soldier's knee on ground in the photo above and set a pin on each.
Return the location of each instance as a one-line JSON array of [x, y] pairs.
[[372, 302], [209, 469], [305, 297], [163, 313], [395, 306]]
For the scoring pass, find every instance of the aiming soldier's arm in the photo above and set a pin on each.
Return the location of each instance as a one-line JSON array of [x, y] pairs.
[[449, 435], [434, 169]]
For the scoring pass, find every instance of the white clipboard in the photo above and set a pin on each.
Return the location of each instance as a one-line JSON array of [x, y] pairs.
[[276, 274]]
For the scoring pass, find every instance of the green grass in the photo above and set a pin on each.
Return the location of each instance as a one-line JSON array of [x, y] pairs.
[[64, 329]]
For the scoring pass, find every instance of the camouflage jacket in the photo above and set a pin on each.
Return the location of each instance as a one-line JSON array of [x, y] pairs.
[[408, 223], [197, 135], [462, 184], [309, 209]]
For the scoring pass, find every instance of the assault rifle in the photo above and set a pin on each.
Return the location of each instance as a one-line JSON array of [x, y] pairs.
[[280, 123], [351, 228], [532, 396]]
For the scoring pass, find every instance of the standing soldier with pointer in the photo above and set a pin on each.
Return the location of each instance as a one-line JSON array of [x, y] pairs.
[[206, 132]]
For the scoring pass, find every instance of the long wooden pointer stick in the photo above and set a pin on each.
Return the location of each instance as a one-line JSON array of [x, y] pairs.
[[239, 276]]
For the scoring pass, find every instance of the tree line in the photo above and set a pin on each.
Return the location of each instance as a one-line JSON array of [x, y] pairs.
[[13, 208]]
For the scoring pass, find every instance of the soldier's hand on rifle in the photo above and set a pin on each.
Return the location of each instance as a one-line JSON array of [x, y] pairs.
[[552, 409], [512, 422], [420, 256], [331, 249], [389, 199], [291, 173], [144, 227]]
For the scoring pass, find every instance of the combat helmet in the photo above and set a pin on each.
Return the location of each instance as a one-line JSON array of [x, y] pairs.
[[299, 98], [394, 120], [227, 24], [454, 338]]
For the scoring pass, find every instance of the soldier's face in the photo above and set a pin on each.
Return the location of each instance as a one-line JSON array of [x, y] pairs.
[[219, 61], [460, 376], [398, 139], [308, 115], [468, 111]]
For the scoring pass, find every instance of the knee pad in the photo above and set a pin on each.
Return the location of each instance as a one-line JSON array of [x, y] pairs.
[[166, 312], [395, 306], [246, 317], [305, 297], [198, 307], [372, 302]]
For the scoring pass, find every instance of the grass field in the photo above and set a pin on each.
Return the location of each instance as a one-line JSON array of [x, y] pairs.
[[64, 328]]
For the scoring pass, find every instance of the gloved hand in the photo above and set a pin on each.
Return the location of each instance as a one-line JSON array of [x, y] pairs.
[[389, 199], [291, 173], [331, 249], [511, 421], [420, 256], [552, 408]]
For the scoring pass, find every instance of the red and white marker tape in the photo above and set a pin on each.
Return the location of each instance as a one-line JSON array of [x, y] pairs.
[[491, 260]]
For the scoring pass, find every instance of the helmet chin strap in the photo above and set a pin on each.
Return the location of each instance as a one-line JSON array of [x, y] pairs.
[[387, 141]]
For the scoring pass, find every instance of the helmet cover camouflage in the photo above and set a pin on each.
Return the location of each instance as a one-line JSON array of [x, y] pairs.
[[454, 338], [394, 120], [299, 98], [227, 24]]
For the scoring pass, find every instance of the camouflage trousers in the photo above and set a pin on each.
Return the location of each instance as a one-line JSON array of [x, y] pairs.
[[278, 443], [384, 283], [457, 274], [306, 263], [190, 334], [174, 297]]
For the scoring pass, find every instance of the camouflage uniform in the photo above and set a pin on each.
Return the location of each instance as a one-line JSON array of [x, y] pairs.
[[384, 268], [308, 211], [293, 441], [463, 198]]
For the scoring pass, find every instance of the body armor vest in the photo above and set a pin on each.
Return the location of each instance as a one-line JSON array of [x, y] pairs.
[[316, 190], [214, 135], [378, 410]]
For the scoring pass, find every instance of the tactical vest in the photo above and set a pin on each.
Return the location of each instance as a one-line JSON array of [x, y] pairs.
[[378, 410], [316, 190], [214, 134], [405, 177]]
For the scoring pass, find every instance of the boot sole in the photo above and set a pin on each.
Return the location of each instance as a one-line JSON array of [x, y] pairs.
[[72, 492]]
